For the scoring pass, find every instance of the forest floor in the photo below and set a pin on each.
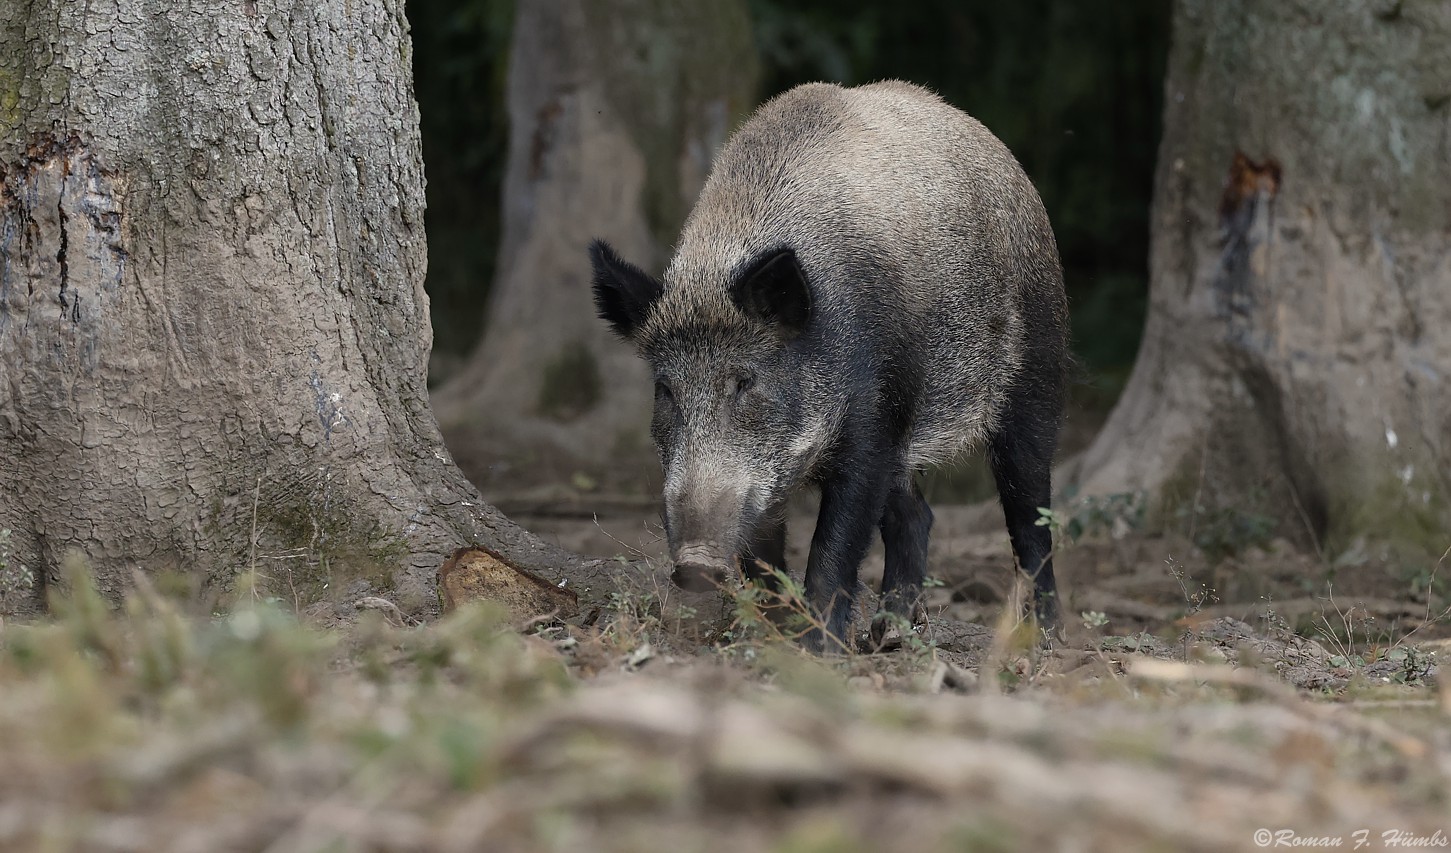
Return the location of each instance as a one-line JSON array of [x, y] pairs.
[[1195, 704]]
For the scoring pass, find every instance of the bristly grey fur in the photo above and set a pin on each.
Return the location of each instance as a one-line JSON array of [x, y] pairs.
[[867, 285], [922, 189]]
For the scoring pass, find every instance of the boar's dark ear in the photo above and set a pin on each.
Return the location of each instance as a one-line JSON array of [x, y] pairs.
[[773, 288], [623, 291]]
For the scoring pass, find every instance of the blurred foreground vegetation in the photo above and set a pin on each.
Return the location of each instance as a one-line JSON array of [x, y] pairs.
[[167, 726]]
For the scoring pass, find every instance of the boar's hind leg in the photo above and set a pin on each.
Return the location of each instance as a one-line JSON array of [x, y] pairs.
[[1022, 461], [906, 527], [768, 544]]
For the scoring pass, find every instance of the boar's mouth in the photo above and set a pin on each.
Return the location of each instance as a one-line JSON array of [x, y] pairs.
[[700, 568]]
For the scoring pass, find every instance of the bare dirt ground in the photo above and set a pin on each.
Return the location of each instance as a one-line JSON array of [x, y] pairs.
[[1207, 667], [1164, 584], [1259, 700]]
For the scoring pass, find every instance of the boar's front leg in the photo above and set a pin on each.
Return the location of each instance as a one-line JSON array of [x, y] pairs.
[[768, 544], [852, 500], [906, 528]]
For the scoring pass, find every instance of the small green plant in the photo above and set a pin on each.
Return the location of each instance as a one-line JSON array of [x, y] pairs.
[[1226, 531], [1428, 584], [1094, 619], [630, 604], [912, 642], [1415, 665], [779, 613], [1140, 641], [1357, 641], [1094, 514], [1196, 594], [633, 616]]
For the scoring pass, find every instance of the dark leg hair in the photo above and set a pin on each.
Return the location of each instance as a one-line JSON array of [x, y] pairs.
[[1022, 462], [906, 528], [851, 505], [768, 544]]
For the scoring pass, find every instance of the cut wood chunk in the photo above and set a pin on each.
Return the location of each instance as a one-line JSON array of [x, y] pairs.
[[479, 574]]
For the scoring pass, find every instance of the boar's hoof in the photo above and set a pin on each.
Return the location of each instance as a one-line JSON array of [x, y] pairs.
[[887, 631]]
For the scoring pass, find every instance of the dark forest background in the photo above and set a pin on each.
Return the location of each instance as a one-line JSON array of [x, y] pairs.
[[1074, 89]]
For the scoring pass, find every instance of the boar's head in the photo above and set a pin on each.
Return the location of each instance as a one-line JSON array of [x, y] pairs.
[[732, 416]]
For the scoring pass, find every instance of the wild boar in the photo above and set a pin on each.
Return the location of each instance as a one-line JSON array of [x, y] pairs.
[[868, 285]]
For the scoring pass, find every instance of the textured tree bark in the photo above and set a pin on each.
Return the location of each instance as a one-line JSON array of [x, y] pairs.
[[616, 109], [1296, 360], [213, 329]]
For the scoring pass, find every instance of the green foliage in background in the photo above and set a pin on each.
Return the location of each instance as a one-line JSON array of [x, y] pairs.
[[460, 64]]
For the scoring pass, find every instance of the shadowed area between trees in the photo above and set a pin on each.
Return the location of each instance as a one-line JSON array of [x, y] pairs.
[[1073, 90]]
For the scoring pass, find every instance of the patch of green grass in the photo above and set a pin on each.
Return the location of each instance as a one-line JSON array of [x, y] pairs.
[[821, 836], [987, 835]]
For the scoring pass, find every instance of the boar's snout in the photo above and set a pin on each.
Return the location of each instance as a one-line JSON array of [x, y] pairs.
[[699, 568]]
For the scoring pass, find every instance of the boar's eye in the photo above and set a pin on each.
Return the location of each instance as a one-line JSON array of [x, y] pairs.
[[744, 383], [662, 391]]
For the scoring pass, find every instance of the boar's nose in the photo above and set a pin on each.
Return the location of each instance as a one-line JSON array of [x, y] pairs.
[[699, 569]]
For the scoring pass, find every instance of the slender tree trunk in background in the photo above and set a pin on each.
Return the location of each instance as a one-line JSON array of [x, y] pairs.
[[213, 330], [1297, 359], [616, 109]]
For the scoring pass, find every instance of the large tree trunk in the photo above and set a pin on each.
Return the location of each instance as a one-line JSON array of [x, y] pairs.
[[616, 109], [1296, 362], [213, 329]]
